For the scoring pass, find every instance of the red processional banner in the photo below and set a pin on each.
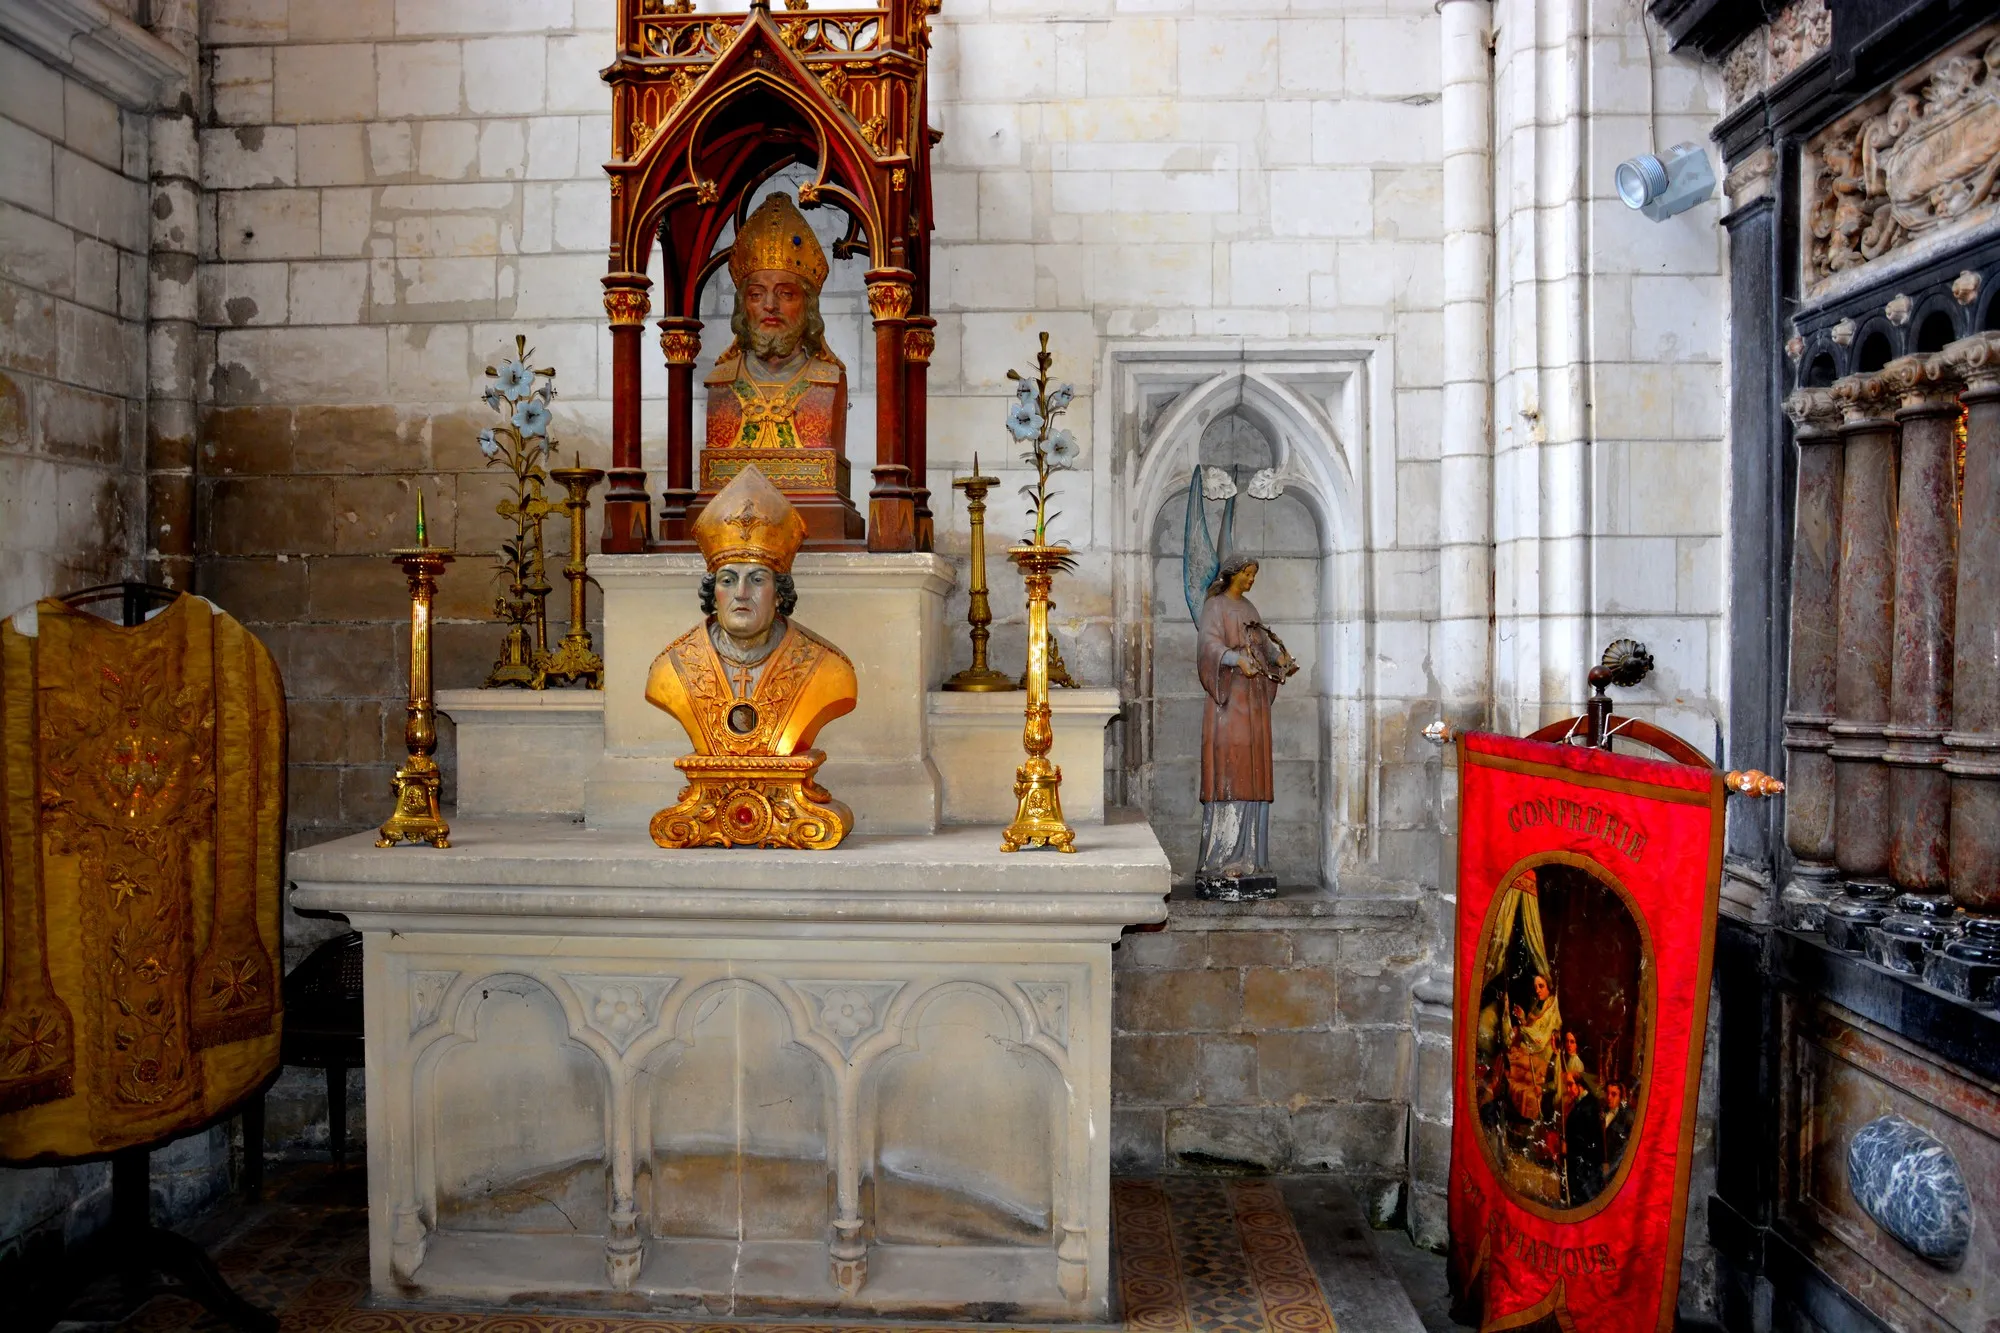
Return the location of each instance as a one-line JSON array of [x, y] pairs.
[[1586, 924]]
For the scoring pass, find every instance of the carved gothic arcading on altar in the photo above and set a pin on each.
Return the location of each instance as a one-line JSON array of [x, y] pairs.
[[705, 109], [651, 1080], [1908, 170]]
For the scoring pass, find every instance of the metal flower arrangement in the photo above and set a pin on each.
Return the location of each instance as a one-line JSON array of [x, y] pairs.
[[1038, 817], [1031, 421], [521, 444]]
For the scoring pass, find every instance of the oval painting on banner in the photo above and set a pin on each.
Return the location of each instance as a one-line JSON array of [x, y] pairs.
[[1562, 1036]]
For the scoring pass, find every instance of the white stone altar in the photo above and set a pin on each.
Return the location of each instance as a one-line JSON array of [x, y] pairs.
[[872, 1080]]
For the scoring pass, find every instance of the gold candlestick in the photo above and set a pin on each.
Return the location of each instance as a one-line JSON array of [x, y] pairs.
[[574, 659], [416, 784], [978, 678], [1038, 818]]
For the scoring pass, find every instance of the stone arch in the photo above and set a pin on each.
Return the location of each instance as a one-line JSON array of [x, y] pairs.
[[1326, 412], [537, 1167]]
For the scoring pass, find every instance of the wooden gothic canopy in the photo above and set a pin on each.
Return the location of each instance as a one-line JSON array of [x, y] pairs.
[[705, 109]]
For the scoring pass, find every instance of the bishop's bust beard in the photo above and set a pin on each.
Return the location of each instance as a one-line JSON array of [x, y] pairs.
[[776, 344]]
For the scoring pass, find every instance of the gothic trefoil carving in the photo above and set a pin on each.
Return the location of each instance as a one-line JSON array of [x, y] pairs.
[[620, 1009], [1918, 161], [1050, 1001], [848, 1012]]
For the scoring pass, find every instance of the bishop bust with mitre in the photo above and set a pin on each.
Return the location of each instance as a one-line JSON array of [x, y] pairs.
[[752, 687], [777, 397]]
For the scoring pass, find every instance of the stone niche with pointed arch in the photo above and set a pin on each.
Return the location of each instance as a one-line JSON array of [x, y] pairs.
[[1320, 416]]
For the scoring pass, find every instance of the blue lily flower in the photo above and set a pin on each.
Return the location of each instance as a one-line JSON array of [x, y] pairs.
[[1062, 449], [488, 444], [493, 397], [1059, 397], [1023, 421], [515, 379], [531, 418]]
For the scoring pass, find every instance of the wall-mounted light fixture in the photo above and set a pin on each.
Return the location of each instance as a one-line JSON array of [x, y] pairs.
[[1661, 188]]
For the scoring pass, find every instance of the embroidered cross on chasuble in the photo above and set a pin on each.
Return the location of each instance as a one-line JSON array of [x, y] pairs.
[[142, 781]]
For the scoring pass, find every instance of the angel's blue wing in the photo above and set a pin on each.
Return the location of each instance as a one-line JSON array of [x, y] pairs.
[[1201, 552]]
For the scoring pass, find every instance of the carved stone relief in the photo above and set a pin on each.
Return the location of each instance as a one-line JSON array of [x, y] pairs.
[[619, 1008], [1917, 162], [427, 991], [1050, 1000], [845, 1012], [1775, 51]]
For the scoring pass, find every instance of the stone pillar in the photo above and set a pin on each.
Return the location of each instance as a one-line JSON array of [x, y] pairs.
[[1759, 521], [1926, 591], [1972, 748], [680, 344], [919, 341], [1465, 457], [171, 341], [892, 521], [1865, 621], [628, 510], [1430, 1112], [172, 331], [1809, 711]]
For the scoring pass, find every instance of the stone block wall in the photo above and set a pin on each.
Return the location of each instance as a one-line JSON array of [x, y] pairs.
[[1270, 1037], [73, 248], [396, 188]]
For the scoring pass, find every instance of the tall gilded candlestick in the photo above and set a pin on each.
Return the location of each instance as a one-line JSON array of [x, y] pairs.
[[1038, 817], [416, 818], [574, 659], [978, 678]]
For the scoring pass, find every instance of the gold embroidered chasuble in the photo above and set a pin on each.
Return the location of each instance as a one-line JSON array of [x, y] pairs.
[[142, 781]]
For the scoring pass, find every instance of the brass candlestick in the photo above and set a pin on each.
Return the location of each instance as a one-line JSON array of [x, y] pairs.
[[574, 660], [1038, 818], [416, 784], [978, 678]]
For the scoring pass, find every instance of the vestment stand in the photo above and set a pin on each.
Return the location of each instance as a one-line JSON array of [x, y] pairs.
[[138, 1249]]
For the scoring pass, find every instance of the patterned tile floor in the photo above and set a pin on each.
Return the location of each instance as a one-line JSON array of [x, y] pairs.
[[1192, 1255]]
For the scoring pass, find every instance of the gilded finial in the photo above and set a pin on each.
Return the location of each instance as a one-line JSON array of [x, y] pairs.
[[421, 540]]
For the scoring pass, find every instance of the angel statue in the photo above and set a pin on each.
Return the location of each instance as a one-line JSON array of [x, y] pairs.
[[1242, 664]]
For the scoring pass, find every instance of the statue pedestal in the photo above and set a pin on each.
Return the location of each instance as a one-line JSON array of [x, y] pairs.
[[875, 1080], [976, 744], [525, 752], [908, 759]]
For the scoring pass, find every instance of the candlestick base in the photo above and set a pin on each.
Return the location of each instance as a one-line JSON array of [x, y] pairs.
[[417, 818], [575, 661], [981, 680], [1038, 820]]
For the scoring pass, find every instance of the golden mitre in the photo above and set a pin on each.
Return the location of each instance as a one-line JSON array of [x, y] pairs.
[[749, 522], [777, 237]]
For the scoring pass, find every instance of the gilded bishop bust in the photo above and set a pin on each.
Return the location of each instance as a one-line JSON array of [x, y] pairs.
[[752, 687], [777, 397]]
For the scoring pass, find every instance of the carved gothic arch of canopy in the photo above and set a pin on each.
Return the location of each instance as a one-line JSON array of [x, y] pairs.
[[705, 109]]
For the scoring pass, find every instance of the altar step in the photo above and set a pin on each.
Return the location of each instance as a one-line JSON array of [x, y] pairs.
[[1004, 1283], [303, 1253]]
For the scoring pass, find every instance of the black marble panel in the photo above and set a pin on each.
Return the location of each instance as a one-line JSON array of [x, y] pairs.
[[1951, 1029]]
